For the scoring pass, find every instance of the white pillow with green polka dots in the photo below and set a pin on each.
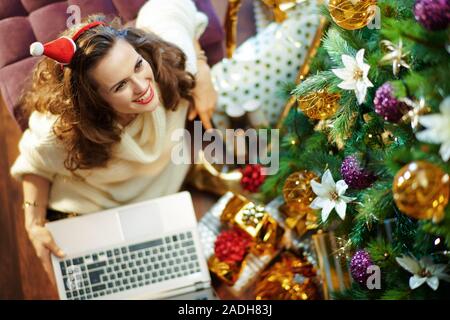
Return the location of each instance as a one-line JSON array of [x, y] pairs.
[[263, 63]]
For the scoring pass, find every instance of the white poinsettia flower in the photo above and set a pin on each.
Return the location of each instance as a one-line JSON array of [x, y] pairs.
[[423, 271], [354, 75], [330, 195], [437, 129]]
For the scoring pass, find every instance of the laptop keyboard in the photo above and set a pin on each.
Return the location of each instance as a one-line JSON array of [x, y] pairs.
[[127, 267]]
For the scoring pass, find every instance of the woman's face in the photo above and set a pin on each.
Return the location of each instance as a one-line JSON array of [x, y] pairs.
[[125, 80]]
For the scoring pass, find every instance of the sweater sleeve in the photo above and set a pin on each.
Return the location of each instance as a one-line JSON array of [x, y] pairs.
[[176, 21], [39, 150]]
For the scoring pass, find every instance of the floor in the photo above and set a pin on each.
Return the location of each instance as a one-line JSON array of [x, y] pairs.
[[21, 273]]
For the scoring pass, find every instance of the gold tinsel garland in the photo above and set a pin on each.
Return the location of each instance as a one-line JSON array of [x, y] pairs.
[[290, 278]]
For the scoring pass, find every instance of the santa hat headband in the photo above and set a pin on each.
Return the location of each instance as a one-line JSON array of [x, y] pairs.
[[63, 48]]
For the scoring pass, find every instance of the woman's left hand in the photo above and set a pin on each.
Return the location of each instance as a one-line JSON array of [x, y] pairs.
[[205, 96]]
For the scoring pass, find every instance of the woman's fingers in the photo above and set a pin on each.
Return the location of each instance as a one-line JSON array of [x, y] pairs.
[[48, 267], [44, 245], [206, 120], [51, 245], [192, 113], [205, 115], [43, 254], [211, 112]]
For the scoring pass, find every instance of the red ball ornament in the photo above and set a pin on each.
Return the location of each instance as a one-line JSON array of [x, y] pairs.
[[252, 177], [232, 245]]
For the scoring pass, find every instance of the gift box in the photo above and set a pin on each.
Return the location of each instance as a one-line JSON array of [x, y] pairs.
[[303, 245], [266, 238], [324, 250], [249, 277]]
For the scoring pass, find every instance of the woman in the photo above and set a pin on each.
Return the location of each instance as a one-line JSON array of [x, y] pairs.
[[100, 127]]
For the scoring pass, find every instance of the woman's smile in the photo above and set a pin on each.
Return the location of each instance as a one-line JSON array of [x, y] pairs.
[[146, 97]]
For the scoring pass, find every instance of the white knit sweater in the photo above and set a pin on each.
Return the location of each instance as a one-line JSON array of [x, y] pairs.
[[141, 166]]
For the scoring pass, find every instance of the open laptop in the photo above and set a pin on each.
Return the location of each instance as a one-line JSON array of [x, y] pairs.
[[146, 250]]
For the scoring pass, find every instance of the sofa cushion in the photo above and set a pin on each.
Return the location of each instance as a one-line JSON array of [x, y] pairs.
[[128, 9], [88, 7], [32, 5], [11, 8], [39, 20], [13, 77], [15, 36]]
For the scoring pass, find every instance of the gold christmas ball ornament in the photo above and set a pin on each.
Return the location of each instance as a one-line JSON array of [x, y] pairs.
[[421, 190], [297, 191], [352, 14], [319, 105]]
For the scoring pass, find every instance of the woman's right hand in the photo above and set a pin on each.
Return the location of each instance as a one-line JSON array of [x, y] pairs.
[[44, 245]]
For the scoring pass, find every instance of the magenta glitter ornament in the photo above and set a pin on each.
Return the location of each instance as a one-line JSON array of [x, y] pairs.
[[354, 175], [433, 15], [386, 105], [358, 266]]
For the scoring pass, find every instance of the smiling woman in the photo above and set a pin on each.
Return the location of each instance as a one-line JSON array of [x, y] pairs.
[[108, 82], [103, 102]]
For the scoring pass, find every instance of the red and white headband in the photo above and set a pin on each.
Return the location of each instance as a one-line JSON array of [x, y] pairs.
[[63, 48]]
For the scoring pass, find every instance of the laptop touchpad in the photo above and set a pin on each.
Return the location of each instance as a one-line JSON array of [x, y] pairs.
[[140, 221]]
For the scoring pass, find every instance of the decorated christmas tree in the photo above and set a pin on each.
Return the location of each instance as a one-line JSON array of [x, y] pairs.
[[368, 144]]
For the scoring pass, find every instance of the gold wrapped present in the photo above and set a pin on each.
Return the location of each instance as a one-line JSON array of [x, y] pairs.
[[270, 238], [254, 220], [264, 246], [288, 278], [244, 214]]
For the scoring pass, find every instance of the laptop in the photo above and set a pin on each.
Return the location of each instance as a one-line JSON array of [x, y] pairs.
[[146, 250]]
